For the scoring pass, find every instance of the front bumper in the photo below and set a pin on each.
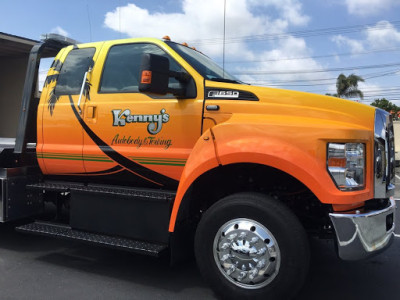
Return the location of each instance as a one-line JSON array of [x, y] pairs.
[[362, 235]]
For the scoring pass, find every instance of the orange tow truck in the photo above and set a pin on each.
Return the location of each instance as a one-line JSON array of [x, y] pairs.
[[147, 145]]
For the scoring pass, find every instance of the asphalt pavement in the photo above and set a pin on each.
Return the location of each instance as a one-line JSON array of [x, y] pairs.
[[34, 267]]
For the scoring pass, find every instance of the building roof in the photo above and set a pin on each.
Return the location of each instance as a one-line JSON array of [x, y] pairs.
[[15, 46]]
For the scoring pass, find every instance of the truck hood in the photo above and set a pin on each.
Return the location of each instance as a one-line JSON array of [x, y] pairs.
[[291, 104]]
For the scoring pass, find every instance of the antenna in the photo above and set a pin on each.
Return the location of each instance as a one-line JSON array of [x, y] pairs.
[[119, 17], [90, 24], [223, 45]]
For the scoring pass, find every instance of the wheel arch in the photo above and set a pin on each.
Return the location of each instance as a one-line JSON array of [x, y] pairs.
[[225, 180]]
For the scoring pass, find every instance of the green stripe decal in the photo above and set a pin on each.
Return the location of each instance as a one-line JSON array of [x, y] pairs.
[[74, 158], [160, 164], [102, 158], [181, 161], [156, 158]]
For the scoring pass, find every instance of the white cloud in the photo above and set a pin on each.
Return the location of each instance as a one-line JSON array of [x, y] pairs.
[[370, 89], [282, 58], [331, 89], [396, 102], [60, 31], [373, 91], [382, 35], [354, 45], [201, 24], [369, 7], [204, 20], [290, 10]]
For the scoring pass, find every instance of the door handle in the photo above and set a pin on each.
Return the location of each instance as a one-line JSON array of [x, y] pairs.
[[91, 112], [212, 107]]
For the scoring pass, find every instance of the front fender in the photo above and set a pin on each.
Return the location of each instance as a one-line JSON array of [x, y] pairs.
[[202, 159], [296, 146]]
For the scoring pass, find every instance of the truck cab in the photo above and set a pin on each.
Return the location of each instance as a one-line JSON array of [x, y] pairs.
[[147, 145]]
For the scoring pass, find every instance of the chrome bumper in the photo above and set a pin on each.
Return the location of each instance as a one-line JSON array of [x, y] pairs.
[[362, 235]]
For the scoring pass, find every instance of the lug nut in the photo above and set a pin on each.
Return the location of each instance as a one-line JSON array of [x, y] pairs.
[[241, 276], [225, 257], [262, 251], [225, 246], [254, 240], [261, 264], [231, 270], [253, 273], [232, 236]]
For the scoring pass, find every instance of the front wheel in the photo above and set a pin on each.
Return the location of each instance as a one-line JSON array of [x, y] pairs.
[[251, 246]]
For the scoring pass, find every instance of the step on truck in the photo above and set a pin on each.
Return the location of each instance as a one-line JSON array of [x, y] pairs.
[[148, 146]]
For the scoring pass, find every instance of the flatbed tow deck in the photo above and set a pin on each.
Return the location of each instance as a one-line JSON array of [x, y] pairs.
[[18, 164]]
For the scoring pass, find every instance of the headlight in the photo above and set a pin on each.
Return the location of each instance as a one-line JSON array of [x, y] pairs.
[[346, 164]]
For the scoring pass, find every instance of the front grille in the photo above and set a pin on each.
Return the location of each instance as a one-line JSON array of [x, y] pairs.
[[391, 152], [384, 160]]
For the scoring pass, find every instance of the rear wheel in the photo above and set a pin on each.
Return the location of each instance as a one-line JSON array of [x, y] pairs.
[[251, 246]]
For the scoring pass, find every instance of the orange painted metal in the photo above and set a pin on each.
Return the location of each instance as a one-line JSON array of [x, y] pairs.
[[289, 131], [165, 152], [202, 159], [284, 129]]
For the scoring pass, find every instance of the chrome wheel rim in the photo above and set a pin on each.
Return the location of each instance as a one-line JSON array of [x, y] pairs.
[[246, 253]]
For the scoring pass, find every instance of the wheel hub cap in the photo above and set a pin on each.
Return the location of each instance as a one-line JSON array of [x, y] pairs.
[[246, 253]]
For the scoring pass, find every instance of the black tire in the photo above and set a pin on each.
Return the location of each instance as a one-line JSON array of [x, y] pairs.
[[286, 230]]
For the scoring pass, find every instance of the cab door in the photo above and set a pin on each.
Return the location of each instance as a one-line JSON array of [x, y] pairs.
[[138, 138], [60, 142]]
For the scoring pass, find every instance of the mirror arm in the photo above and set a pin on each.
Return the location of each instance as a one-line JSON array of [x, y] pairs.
[[177, 92], [180, 76]]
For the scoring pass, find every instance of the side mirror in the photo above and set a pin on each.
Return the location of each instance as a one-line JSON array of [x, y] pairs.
[[154, 74]]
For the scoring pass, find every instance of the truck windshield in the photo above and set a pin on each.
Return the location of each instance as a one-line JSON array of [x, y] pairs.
[[203, 64]]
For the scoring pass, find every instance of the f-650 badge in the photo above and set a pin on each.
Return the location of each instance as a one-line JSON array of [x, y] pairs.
[[120, 118], [223, 94]]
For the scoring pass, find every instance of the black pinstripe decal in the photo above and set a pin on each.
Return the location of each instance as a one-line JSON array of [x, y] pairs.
[[137, 169]]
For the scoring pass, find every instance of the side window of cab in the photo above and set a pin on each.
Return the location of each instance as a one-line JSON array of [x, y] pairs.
[[78, 61], [122, 68]]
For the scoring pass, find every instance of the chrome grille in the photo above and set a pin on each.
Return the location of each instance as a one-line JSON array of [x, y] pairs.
[[384, 160], [391, 152]]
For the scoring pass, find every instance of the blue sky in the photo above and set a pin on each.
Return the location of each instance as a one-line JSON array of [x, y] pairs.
[[292, 44]]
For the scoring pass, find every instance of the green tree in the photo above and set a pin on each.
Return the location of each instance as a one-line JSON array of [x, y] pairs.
[[386, 105], [347, 86]]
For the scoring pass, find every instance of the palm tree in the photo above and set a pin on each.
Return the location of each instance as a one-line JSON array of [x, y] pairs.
[[347, 87], [53, 97]]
